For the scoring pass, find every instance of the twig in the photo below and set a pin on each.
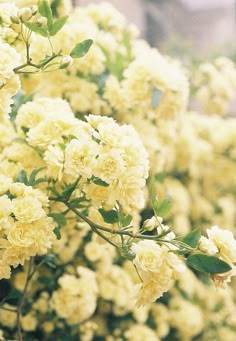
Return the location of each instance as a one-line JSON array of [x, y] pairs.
[[95, 226]]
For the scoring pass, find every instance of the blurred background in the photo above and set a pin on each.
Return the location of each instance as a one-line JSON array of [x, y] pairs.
[[198, 29]]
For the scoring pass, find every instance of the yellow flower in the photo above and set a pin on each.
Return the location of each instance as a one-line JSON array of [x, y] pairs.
[[80, 157], [27, 209], [147, 255], [225, 243]]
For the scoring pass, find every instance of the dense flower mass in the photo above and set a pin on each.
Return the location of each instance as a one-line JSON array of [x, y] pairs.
[[157, 267], [104, 176], [215, 84], [26, 229]]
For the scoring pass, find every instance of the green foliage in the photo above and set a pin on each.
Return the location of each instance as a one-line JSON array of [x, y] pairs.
[[193, 237], [81, 49], [22, 177], [110, 217], [160, 208], [32, 181], [127, 253], [124, 220], [152, 193], [57, 25], [208, 264], [13, 294], [50, 260], [42, 31], [99, 182], [160, 177], [45, 11], [163, 207], [61, 220], [53, 26]]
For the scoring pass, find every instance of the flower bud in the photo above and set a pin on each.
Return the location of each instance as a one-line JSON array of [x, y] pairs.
[[15, 20], [42, 22], [66, 61], [152, 223], [34, 9], [24, 14]]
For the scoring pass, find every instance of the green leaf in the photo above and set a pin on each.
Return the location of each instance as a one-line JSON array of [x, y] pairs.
[[50, 260], [152, 193], [37, 29], [110, 217], [57, 232], [163, 207], [77, 202], [13, 294], [100, 182], [160, 177], [59, 218], [57, 25], [208, 264], [126, 253], [126, 220], [22, 177], [156, 97], [19, 140], [54, 191], [45, 11], [81, 49], [39, 181], [32, 177], [193, 237]]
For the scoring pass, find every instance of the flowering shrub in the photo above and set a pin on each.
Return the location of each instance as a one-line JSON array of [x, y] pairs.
[[94, 123]]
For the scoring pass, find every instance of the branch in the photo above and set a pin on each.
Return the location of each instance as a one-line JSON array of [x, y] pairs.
[[95, 226]]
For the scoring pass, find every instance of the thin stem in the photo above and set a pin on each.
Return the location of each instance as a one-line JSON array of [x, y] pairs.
[[22, 300], [104, 237], [9, 309], [138, 273], [37, 66], [28, 53], [50, 42], [106, 229]]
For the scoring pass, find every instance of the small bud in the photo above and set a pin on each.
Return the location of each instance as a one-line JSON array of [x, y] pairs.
[[66, 62], [34, 9], [152, 223], [15, 20], [24, 14], [42, 22]]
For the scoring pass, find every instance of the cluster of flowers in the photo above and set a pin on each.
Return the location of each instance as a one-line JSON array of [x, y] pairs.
[[193, 174], [26, 230], [74, 184], [215, 85]]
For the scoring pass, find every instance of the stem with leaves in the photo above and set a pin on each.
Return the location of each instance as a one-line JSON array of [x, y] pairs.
[[98, 229]]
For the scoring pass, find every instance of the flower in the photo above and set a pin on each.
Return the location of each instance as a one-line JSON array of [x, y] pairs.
[[225, 243], [157, 267]]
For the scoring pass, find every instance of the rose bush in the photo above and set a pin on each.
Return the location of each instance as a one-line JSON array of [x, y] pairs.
[[100, 157]]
